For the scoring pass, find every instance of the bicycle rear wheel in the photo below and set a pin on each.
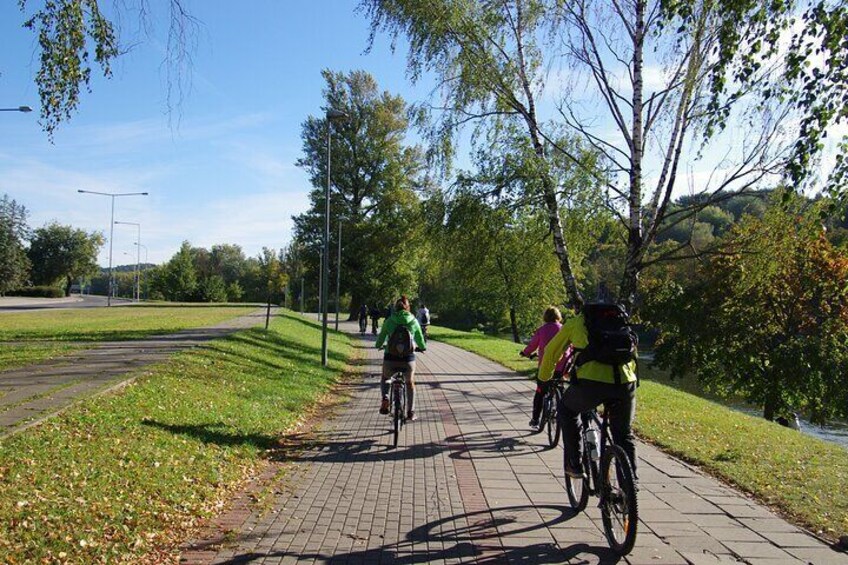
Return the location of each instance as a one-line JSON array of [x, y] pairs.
[[619, 507], [553, 423]]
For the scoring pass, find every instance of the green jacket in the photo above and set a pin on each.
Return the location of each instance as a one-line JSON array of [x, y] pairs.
[[574, 332], [402, 318]]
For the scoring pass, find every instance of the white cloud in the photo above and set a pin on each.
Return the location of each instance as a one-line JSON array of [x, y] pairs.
[[220, 181]]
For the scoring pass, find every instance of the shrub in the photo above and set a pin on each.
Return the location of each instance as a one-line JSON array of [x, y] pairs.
[[38, 292]]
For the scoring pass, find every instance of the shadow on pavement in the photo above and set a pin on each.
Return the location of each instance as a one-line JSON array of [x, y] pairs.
[[481, 537]]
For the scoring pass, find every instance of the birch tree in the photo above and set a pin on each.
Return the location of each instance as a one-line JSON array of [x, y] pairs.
[[495, 60], [490, 67]]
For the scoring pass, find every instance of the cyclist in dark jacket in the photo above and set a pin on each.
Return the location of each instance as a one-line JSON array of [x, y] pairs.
[[375, 314], [391, 363]]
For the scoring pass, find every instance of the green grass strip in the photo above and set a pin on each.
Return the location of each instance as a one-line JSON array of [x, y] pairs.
[[108, 324], [17, 355], [804, 477], [127, 474]]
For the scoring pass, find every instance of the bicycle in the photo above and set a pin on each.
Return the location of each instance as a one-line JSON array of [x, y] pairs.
[[550, 412], [608, 475], [397, 403]]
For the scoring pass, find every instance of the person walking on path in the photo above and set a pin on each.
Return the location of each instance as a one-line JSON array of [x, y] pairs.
[[424, 319], [553, 322], [593, 383], [404, 335], [363, 318], [375, 315]]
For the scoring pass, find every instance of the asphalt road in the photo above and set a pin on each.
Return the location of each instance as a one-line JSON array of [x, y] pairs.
[[21, 304]]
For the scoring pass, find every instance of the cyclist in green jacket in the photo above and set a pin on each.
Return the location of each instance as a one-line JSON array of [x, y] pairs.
[[400, 321], [595, 384]]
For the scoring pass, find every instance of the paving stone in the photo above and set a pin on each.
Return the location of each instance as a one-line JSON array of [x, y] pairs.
[[746, 549], [468, 483]]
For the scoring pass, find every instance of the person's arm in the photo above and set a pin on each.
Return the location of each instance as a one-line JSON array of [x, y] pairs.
[[533, 345], [388, 326], [418, 336], [553, 351], [566, 360]]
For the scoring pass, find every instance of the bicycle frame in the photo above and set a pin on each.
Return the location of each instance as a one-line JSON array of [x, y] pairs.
[[602, 424]]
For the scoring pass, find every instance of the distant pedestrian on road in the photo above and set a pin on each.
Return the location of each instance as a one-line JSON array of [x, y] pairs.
[[552, 318], [363, 318], [424, 319]]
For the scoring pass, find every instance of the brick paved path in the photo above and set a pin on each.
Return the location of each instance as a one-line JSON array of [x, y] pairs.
[[29, 394], [468, 484]]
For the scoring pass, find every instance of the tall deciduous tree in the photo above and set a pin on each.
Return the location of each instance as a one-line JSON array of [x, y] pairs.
[[491, 70], [178, 279], [493, 64], [769, 323], [14, 264], [61, 254], [374, 179]]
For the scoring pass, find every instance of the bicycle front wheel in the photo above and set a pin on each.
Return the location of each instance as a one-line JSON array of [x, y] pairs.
[[619, 507], [578, 488], [396, 414], [553, 422]]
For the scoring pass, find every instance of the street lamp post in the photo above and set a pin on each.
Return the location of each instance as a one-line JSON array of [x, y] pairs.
[[23, 109], [141, 273], [112, 195], [332, 116], [137, 257]]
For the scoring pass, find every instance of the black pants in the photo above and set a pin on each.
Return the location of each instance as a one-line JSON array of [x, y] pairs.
[[541, 389], [619, 402]]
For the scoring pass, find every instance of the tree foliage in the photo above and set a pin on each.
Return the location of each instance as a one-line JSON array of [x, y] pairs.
[[60, 254], [14, 264], [767, 319], [74, 36], [375, 178], [804, 47]]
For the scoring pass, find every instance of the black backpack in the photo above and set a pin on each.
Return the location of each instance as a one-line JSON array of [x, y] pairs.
[[401, 345], [611, 339]]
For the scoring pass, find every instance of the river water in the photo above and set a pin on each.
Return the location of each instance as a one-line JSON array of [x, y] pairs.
[[836, 432]]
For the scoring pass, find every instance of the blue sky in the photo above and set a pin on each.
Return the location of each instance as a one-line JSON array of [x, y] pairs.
[[221, 169], [225, 172]]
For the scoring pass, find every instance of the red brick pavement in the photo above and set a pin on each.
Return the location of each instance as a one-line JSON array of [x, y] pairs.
[[469, 484]]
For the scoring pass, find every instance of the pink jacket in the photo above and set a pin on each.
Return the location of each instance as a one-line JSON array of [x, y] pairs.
[[540, 339]]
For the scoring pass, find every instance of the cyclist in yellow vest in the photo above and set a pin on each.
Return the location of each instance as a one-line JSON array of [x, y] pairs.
[[595, 384]]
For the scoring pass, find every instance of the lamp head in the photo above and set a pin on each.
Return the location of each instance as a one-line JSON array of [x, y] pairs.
[[24, 109], [334, 115]]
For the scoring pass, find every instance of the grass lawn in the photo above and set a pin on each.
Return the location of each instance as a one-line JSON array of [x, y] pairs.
[[20, 355], [117, 323], [804, 477], [125, 477]]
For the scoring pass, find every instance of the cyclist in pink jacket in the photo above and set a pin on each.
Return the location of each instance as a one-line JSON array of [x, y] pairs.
[[546, 332]]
